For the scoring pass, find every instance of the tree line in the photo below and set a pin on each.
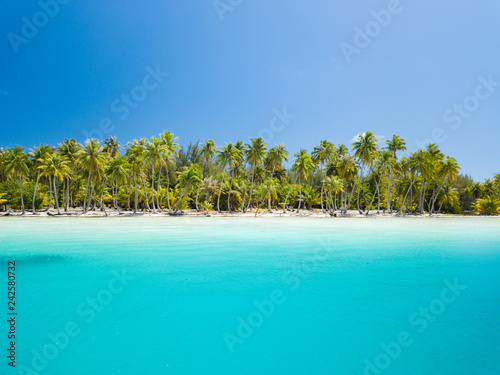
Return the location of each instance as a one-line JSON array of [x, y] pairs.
[[159, 175]]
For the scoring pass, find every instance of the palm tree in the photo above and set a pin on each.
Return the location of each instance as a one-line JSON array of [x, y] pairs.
[[208, 151], [38, 156], [112, 146], [134, 156], [93, 160], [448, 196], [489, 187], [394, 144], [17, 165], [333, 185], [56, 167], [488, 205], [302, 167], [227, 157], [170, 147], [71, 150], [448, 170], [384, 163], [255, 154], [188, 179], [207, 186], [322, 155], [117, 170], [269, 189], [153, 153], [3, 162], [365, 150]]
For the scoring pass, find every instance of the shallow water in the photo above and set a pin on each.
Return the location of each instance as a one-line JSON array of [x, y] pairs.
[[162, 295]]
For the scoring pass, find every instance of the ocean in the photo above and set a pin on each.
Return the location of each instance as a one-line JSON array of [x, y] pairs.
[[221, 295]]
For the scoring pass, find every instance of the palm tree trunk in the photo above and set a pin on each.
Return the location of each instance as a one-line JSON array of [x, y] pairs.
[[103, 208], [158, 189], [36, 187], [352, 194], [251, 188], [56, 197], [389, 209], [85, 199], [435, 197], [359, 190], [300, 196], [168, 186], [220, 191], [22, 198], [145, 192], [153, 188], [199, 187], [289, 191], [50, 191], [229, 192], [136, 198], [180, 198]]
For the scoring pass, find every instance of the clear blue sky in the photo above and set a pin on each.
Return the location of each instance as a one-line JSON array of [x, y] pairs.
[[227, 77]]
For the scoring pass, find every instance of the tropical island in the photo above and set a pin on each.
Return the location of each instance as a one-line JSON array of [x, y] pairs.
[[159, 177]]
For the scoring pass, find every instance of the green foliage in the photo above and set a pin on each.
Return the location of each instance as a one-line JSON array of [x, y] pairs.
[[12, 194], [488, 205]]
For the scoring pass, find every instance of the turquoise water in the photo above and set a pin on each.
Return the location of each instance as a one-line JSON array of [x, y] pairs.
[[167, 295]]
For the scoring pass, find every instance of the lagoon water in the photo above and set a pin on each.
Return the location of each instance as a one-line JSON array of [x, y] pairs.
[[164, 295]]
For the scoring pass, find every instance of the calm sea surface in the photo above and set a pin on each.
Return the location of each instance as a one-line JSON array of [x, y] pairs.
[[164, 295]]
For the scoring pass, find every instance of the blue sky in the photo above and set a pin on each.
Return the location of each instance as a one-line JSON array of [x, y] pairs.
[[294, 72]]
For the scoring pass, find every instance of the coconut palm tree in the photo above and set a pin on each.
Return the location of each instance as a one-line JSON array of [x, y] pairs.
[[111, 146], [489, 187], [93, 159], [333, 186], [448, 169], [170, 147], [302, 166], [134, 157], [227, 157], [365, 150], [153, 153], [56, 167], [117, 171], [17, 165], [448, 196], [38, 156], [322, 155], [269, 190], [488, 205], [255, 154], [71, 150], [208, 151], [394, 144], [189, 178]]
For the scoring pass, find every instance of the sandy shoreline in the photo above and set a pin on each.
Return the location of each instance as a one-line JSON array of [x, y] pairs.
[[252, 213]]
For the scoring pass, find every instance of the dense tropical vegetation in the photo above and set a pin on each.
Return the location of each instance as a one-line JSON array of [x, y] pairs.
[[158, 175]]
